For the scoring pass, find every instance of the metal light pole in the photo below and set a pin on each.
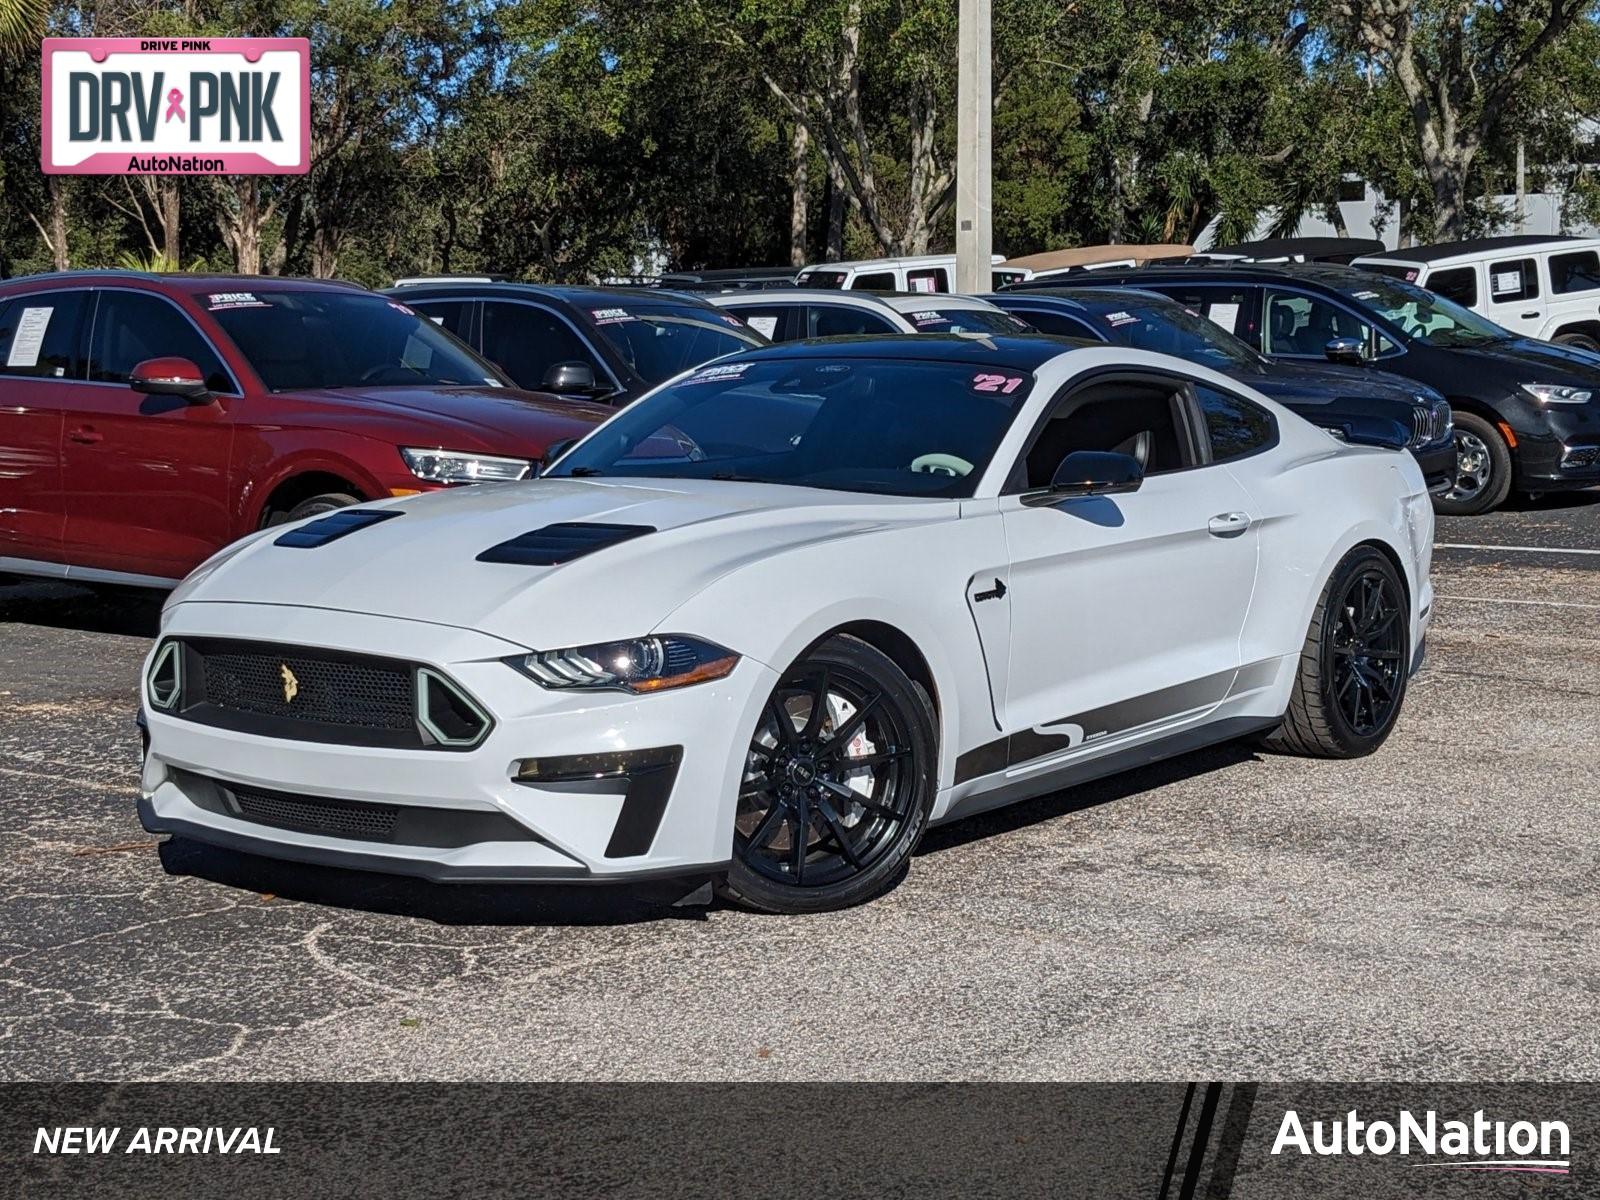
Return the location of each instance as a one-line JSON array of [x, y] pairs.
[[974, 231]]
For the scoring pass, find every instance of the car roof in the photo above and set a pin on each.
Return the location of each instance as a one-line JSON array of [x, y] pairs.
[[581, 295], [1333, 275], [719, 274], [1443, 251], [1310, 247], [848, 298], [1085, 256], [1086, 297], [184, 281], [885, 264], [906, 302], [1022, 352]]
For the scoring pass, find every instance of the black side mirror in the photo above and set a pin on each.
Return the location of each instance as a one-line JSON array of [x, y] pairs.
[[1350, 351], [554, 451], [1090, 473], [570, 378]]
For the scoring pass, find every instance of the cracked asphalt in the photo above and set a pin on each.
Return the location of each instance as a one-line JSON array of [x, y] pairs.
[[1427, 913]]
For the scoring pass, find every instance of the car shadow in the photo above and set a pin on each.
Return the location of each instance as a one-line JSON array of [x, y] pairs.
[[442, 903], [133, 612], [1080, 797], [1550, 501]]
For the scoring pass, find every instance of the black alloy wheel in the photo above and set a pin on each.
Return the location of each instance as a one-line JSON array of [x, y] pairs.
[[837, 783], [1368, 649], [1354, 664]]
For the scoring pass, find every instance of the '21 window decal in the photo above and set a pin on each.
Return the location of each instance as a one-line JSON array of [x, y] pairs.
[[994, 381]]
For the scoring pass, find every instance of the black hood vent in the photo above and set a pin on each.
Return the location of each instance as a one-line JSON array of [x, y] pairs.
[[561, 543], [332, 527]]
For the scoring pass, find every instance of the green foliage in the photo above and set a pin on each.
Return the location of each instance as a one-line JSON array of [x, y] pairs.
[[576, 139]]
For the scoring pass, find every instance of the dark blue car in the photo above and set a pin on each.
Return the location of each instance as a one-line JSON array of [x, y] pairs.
[[1357, 404]]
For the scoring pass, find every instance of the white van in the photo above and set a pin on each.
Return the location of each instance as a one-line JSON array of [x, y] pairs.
[[1540, 285], [924, 273]]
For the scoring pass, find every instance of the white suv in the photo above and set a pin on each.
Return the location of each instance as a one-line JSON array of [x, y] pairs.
[[924, 273], [1541, 286]]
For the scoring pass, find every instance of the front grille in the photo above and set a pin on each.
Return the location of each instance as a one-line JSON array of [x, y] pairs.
[[310, 814], [1430, 422], [324, 696], [367, 694]]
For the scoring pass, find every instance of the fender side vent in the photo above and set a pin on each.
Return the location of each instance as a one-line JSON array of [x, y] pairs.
[[561, 543], [332, 527]]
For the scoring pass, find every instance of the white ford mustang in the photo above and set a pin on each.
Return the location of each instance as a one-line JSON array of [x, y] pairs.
[[773, 620]]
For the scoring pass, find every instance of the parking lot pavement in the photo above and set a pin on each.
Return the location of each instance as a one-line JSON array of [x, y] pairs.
[[1426, 913]]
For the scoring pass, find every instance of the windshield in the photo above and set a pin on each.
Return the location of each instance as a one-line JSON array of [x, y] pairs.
[[659, 342], [966, 320], [1423, 316], [822, 279], [298, 340], [1392, 270], [1176, 330], [859, 425]]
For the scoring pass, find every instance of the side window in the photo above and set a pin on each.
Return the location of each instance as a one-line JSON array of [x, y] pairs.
[[454, 315], [771, 322], [39, 336], [827, 320], [1516, 279], [1228, 307], [1458, 283], [1057, 323], [1234, 426], [525, 341], [130, 327], [1136, 417], [1304, 325], [876, 281], [928, 279], [1578, 272]]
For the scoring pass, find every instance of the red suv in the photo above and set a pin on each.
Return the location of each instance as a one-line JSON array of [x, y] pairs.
[[147, 420]]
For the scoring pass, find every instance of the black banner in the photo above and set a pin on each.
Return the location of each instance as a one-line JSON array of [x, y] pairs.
[[1155, 1141]]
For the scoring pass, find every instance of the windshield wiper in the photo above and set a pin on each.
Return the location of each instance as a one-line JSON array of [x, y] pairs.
[[585, 472]]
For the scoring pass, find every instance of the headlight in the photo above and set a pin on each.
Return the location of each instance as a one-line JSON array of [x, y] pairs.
[[1555, 393], [648, 664], [458, 466]]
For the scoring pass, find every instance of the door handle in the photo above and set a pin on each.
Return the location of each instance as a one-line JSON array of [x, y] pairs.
[[86, 435], [1529, 316], [1227, 525]]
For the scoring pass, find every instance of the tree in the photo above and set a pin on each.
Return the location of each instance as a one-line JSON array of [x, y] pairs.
[[1458, 64]]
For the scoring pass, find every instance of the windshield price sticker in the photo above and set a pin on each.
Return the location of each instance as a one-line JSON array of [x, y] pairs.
[[929, 318], [996, 382], [719, 374], [610, 316], [1122, 318], [217, 301], [398, 307]]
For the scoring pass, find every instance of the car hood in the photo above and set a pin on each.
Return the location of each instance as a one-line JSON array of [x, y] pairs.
[[1325, 383], [490, 419], [424, 563], [1537, 361]]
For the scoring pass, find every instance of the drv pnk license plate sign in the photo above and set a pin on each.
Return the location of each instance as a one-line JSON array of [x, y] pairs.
[[176, 106]]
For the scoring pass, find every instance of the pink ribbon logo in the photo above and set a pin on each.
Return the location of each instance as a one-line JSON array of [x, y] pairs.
[[175, 105]]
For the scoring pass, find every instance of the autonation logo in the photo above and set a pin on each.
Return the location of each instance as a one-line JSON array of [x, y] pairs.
[[1480, 1144]]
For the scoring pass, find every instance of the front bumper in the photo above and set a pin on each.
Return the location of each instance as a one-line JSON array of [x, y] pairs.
[[1563, 452], [1438, 463], [626, 786]]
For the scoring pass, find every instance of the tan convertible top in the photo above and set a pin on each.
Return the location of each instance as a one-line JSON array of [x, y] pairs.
[[1088, 256]]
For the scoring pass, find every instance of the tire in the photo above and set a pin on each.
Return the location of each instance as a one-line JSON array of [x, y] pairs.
[[854, 827], [1578, 341], [317, 505], [1483, 469], [1350, 635]]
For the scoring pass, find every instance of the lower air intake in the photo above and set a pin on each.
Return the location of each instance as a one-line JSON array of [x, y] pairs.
[[311, 814]]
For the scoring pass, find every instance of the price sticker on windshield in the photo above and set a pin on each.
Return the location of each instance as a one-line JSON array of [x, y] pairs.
[[718, 374], [610, 316], [996, 382]]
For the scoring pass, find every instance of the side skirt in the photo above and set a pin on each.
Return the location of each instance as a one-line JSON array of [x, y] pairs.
[[1071, 774]]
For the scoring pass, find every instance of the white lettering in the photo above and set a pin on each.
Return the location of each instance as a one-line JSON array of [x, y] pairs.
[[1290, 1133]]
